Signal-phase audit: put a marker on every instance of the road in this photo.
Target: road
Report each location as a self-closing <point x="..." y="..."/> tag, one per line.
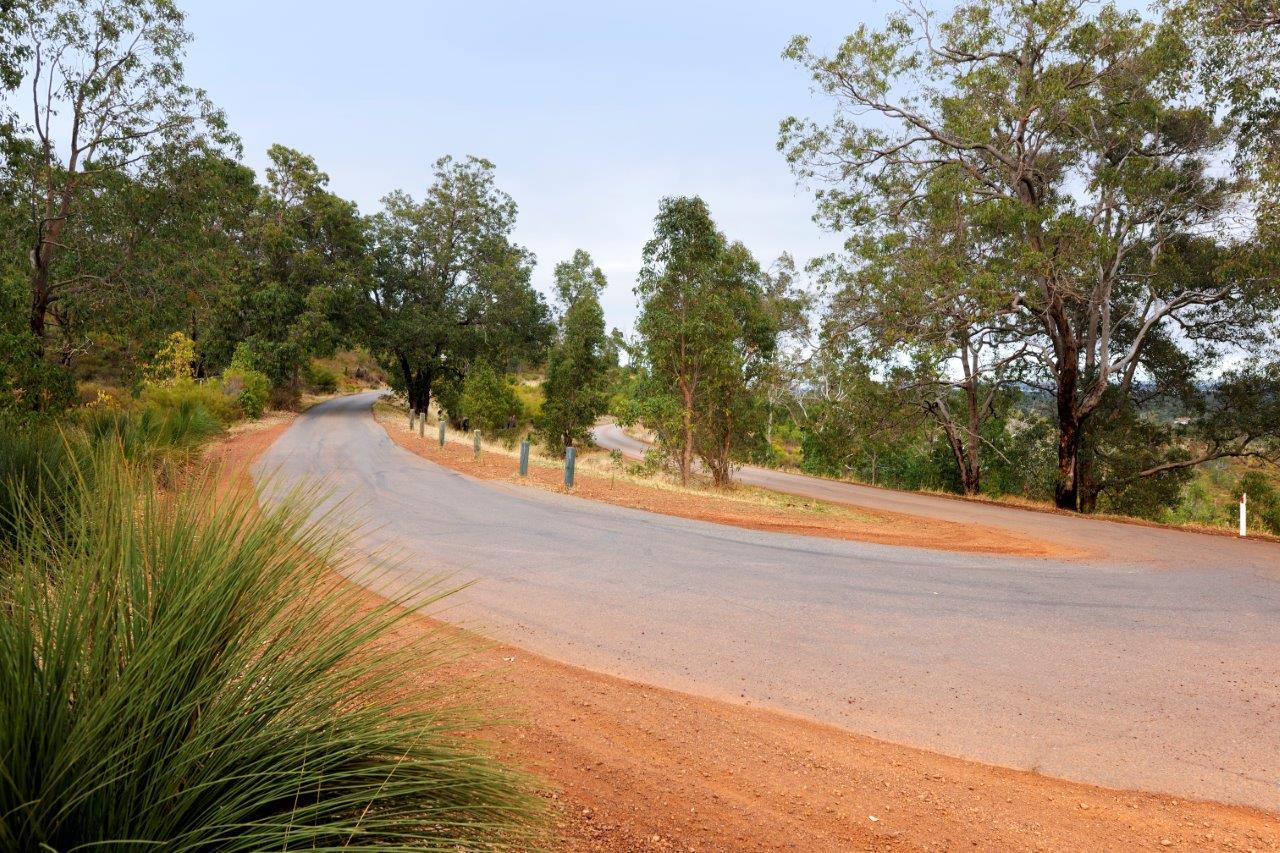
<point x="1116" y="672"/>
<point x="1118" y="542"/>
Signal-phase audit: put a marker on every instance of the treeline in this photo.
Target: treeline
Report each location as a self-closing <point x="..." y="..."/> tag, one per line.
<point x="1056" y="277"/>
<point x="131" y="227"/>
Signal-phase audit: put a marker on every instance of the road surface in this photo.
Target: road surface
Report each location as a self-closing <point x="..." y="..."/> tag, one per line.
<point x="1116" y="672"/>
<point x="1118" y="542"/>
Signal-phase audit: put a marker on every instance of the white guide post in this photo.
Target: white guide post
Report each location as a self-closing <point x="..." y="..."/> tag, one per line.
<point x="1244" y="503"/>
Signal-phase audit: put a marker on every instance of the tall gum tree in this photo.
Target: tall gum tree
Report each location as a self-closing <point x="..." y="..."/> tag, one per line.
<point x="578" y="365"/>
<point x="104" y="89"/>
<point x="930" y="296"/>
<point x="707" y="330"/>
<point x="1069" y="120"/>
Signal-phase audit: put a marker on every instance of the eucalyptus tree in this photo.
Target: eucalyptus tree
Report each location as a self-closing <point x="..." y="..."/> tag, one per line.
<point x="707" y="330"/>
<point x="1237" y="54"/>
<point x="449" y="287"/>
<point x="930" y="295"/>
<point x="1069" y="123"/>
<point x="576" y="388"/>
<point x="105" y="92"/>
<point x="172" y="237"/>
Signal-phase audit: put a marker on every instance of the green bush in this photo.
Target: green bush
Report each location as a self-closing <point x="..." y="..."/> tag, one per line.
<point x="321" y="379"/>
<point x="29" y="382"/>
<point x="209" y="395"/>
<point x="1264" y="501"/>
<point x="183" y="673"/>
<point x="250" y="388"/>
<point x="489" y="399"/>
<point x="37" y="466"/>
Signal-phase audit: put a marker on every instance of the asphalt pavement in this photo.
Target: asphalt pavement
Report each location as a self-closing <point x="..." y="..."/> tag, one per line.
<point x="1155" y="665"/>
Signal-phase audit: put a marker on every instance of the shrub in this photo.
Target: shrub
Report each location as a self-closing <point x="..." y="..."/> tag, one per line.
<point x="1264" y="500"/>
<point x="30" y="383"/>
<point x="210" y="395"/>
<point x="185" y="673"/>
<point x="98" y="395"/>
<point x="37" y="467"/>
<point x="489" y="399"/>
<point x="173" y="362"/>
<point x="250" y="389"/>
<point x="152" y="432"/>
<point x="321" y="379"/>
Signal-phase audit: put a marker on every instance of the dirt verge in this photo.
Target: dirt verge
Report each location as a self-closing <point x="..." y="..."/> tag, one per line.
<point x="633" y="767"/>
<point x="771" y="511"/>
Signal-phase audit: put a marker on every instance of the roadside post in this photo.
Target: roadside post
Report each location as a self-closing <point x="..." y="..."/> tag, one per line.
<point x="411" y="418"/>
<point x="442" y="422"/>
<point x="422" y="425"/>
<point x="570" y="454"/>
<point x="476" y="443"/>
<point x="524" y="458"/>
<point x="1244" y="511"/>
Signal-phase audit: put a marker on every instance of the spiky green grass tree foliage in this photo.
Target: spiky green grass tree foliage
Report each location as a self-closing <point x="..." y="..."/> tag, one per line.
<point x="185" y="673"/>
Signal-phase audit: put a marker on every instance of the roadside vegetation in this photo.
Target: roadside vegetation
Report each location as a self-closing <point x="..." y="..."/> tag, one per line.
<point x="1066" y="296"/>
<point x="183" y="669"/>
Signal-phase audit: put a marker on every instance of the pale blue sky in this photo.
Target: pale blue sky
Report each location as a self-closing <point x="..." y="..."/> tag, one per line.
<point x="591" y="111"/>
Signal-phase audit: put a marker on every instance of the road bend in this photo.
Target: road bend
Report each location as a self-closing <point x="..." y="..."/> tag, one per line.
<point x="1154" y="666"/>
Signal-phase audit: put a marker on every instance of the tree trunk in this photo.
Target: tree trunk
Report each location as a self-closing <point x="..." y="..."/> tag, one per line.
<point x="407" y="373"/>
<point x="39" y="303"/>
<point x="422" y="389"/>
<point x="1066" y="493"/>
<point x="726" y="449"/>
<point x="686" y="452"/>
<point x="1087" y="490"/>
<point x="972" y="478"/>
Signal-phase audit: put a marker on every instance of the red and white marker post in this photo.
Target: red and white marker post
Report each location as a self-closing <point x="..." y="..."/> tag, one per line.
<point x="1244" y="502"/>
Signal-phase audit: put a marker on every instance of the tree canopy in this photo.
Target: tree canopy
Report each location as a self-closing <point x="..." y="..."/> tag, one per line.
<point x="1066" y="123"/>
<point x="449" y="288"/>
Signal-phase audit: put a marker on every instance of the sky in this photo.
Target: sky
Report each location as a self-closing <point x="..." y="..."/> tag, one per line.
<point x="591" y="112"/>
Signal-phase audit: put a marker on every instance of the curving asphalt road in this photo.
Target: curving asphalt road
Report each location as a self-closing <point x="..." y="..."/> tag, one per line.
<point x="1115" y="672"/>
<point x="1117" y="542"/>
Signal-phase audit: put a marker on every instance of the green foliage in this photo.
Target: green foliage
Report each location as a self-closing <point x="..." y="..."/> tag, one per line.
<point x="449" y="287"/>
<point x="306" y="255"/>
<point x="708" y="333"/>
<point x="321" y="379"/>
<point x="209" y="395"/>
<point x="1263" y="500"/>
<point x="37" y="468"/>
<point x="165" y="425"/>
<point x="173" y="363"/>
<point x="1083" y="221"/>
<point x="489" y="399"/>
<point x="250" y="387"/>
<point x="531" y="397"/>
<point x="576" y="390"/>
<point x="181" y="672"/>
<point x="29" y="383"/>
